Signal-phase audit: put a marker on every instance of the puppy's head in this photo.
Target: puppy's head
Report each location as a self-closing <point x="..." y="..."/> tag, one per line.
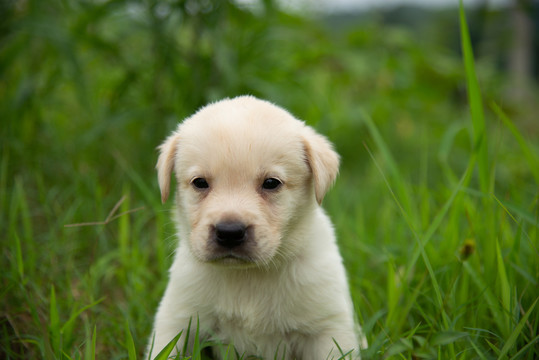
<point x="248" y="176"/>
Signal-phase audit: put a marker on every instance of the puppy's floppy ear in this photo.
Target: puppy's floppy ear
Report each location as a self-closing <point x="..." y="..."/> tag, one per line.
<point x="323" y="161"/>
<point x="165" y="164"/>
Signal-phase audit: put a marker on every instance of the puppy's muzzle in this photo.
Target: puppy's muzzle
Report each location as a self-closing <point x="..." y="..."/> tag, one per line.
<point x="230" y="235"/>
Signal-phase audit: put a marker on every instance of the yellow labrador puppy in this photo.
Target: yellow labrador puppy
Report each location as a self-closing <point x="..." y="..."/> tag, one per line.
<point x="257" y="263"/>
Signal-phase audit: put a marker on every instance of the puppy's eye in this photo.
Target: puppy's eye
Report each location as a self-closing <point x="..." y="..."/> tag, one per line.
<point x="271" y="184"/>
<point x="200" y="183"/>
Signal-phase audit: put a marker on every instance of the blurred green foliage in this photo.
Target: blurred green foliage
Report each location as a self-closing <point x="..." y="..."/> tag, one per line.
<point x="81" y="74"/>
<point x="89" y="89"/>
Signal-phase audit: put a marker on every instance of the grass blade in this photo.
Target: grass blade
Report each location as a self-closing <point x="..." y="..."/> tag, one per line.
<point x="167" y="350"/>
<point x="404" y="195"/>
<point x="421" y="247"/>
<point x="393" y="293"/>
<point x="94" y="339"/>
<point x="437" y="221"/>
<point x="129" y="343"/>
<point x="447" y="337"/>
<point x="67" y="328"/>
<point x="187" y="335"/>
<point x="479" y="352"/>
<point x="124" y="226"/>
<point x="530" y="156"/>
<point x="526" y="348"/>
<point x="490" y="299"/>
<point x="196" y="343"/>
<point x="25" y="216"/>
<point x="504" y="286"/>
<point x="475" y="102"/>
<point x="54" y="323"/>
<point x="19" y="259"/>
<point x="516" y="332"/>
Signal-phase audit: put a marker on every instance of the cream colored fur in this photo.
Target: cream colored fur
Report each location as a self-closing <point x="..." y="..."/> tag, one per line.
<point x="284" y="291"/>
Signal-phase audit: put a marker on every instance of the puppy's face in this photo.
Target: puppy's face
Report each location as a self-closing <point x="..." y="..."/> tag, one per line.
<point x="248" y="173"/>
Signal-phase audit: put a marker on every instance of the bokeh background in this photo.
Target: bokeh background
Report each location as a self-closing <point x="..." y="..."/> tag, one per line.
<point x="89" y="89"/>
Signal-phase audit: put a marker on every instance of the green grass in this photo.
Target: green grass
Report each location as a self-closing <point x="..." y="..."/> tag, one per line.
<point x="436" y="206"/>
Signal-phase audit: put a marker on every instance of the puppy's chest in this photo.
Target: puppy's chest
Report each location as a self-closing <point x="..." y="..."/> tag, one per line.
<point x="256" y="309"/>
<point x="253" y="314"/>
<point x="256" y="328"/>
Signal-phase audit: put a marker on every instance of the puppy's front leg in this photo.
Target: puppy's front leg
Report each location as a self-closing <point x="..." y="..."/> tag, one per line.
<point x="322" y="347"/>
<point x="171" y="318"/>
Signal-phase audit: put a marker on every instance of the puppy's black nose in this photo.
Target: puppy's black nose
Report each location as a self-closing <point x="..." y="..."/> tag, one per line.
<point x="230" y="234"/>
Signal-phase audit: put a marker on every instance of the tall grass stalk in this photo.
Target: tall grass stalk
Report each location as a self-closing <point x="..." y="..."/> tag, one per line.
<point x="475" y="102"/>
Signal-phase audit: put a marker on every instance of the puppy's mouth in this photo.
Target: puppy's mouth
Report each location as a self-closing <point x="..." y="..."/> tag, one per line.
<point x="231" y="258"/>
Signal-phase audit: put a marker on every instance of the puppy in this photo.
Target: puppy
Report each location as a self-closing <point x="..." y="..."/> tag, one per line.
<point x="257" y="264"/>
